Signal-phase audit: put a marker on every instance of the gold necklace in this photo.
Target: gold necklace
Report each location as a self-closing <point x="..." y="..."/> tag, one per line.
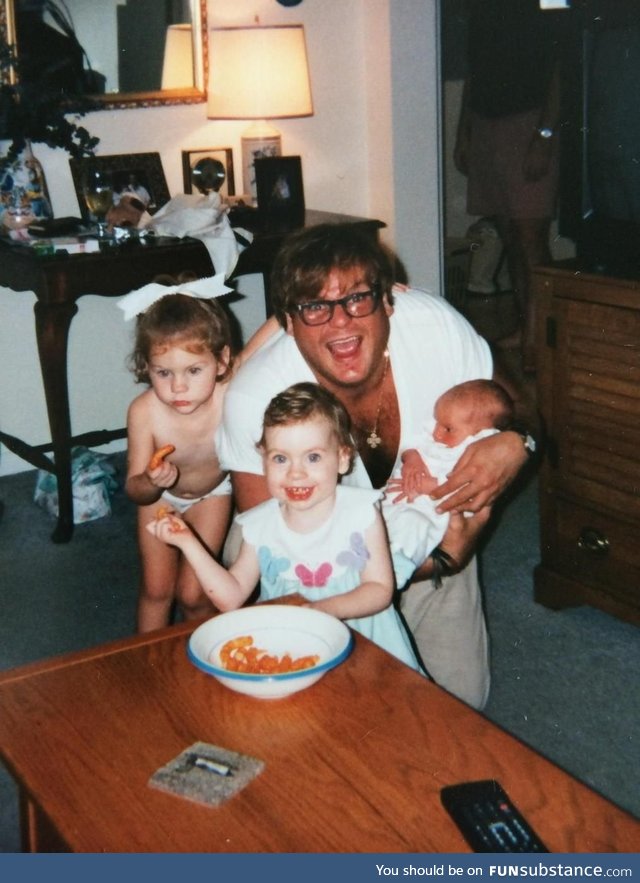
<point x="373" y="439"/>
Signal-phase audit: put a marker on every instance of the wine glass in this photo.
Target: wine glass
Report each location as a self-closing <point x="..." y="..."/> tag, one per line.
<point x="98" y="195"/>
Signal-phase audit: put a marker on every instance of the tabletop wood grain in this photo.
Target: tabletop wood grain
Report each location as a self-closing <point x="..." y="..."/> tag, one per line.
<point x="353" y="764"/>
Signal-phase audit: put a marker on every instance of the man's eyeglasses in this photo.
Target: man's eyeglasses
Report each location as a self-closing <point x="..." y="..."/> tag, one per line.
<point x="357" y="305"/>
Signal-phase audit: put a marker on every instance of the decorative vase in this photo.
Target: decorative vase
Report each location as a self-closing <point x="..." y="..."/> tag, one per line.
<point x="24" y="197"/>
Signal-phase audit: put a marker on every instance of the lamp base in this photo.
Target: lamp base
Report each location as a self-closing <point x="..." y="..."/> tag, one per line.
<point x="257" y="141"/>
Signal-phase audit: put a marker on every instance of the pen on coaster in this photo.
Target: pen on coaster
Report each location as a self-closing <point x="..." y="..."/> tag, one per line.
<point x="211" y="766"/>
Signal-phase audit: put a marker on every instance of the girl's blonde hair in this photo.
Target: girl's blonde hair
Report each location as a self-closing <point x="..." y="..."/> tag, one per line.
<point x="304" y="401"/>
<point x="179" y="319"/>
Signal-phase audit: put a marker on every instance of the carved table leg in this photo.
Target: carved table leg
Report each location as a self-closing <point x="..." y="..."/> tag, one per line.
<point x="52" y="333"/>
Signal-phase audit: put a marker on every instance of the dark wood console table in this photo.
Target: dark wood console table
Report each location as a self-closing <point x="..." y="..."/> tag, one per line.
<point x="59" y="280"/>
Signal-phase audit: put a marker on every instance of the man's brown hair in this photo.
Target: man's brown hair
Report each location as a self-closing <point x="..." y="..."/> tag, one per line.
<point x="308" y="256"/>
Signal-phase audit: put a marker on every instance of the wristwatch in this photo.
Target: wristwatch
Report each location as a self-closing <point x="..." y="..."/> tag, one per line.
<point x="529" y="443"/>
<point x="545" y="132"/>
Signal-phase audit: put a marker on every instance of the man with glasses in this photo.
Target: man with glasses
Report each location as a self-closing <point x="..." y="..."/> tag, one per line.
<point x="387" y="358"/>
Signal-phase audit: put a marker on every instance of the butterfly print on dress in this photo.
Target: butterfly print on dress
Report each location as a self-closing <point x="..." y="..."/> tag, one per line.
<point x="314" y="579"/>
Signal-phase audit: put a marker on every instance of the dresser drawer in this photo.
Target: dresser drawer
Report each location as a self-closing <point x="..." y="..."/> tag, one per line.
<point x="592" y="547"/>
<point x="588" y="393"/>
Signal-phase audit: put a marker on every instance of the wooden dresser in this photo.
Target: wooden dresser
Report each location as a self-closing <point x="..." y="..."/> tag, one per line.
<point x="589" y="396"/>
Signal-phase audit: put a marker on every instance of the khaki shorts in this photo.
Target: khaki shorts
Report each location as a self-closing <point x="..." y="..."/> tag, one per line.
<point x="450" y="633"/>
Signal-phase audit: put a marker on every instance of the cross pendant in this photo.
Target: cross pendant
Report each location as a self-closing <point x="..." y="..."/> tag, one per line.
<point x="373" y="439"/>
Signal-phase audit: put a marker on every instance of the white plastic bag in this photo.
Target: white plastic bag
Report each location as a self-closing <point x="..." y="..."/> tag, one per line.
<point x="93" y="483"/>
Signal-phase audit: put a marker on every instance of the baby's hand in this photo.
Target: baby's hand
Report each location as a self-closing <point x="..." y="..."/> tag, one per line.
<point x="164" y="476"/>
<point x="396" y="486"/>
<point x="416" y="478"/>
<point x="412" y="475"/>
<point x="169" y="527"/>
<point x="413" y="469"/>
<point x="159" y="456"/>
<point x="423" y="484"/>
<point x="160" y="471"/>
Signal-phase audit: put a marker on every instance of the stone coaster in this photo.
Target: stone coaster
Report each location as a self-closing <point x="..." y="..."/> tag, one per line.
<point x="206" y="774"/>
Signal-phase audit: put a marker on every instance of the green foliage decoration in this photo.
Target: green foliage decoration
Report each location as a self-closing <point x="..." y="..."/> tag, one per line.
<point x="35" y="112"/>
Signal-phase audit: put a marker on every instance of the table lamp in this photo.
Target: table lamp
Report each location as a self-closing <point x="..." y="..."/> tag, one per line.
<point x="177" y="68"/>
<point x="259" y="73"/>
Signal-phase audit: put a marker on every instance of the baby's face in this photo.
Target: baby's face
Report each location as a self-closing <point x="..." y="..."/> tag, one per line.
<point x="454" y="422"/>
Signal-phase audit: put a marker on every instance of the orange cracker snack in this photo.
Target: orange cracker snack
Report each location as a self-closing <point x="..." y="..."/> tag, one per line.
<point x="239" y="654"/>
<point x="175" y="526"/>
<point x="159" y="456"/>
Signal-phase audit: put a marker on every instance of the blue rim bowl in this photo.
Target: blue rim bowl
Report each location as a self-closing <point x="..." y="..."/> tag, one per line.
<point x="278" y="629"/>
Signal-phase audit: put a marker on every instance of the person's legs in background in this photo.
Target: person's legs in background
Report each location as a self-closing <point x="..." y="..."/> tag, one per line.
<point x="521" y="208"/>
<point x="526" y="242"/>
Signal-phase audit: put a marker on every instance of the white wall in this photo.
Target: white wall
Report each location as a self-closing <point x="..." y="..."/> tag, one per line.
<point x="96" y="25"/>
<point x="415" y="88"/>
<point x="370" y="149"/>
<point x="379" y="134"/>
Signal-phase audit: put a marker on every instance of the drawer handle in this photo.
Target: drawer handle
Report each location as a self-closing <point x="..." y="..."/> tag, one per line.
<point x="592" y="540"/>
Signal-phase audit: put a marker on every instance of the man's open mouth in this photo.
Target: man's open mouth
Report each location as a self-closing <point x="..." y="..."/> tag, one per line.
<point x="345" y="348"/>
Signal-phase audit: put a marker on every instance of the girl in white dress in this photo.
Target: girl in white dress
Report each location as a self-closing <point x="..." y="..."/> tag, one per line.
<point x="315" y="537"/>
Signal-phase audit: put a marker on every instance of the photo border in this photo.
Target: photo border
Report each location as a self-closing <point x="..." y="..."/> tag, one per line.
<point x="149" y="164"/>
<point x="224" y="154"/>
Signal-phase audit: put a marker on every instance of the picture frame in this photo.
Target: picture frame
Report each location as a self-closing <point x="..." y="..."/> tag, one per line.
<point x="141" y="174"/>
<point x="224" y="155"/>
<point x="280" y="191"/>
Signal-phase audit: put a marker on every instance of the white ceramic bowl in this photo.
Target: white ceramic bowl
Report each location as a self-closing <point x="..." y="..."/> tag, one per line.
<point x="278" y="629"/>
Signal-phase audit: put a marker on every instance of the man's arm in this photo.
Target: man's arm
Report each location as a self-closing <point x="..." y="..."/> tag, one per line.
<point x="458" y="543"/>
<point x="527" y="416"/>
<point x="537" y="159"/>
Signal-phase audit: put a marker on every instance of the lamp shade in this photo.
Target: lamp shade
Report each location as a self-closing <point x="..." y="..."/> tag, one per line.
<point x="177" y="68"/>
<point x="259" y="73"/>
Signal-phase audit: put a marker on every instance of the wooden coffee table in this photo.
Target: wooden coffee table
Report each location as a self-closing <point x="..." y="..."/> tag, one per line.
<point x="353" y="764"/>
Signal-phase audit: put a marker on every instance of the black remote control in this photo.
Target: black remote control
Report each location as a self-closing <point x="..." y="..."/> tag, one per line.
<point x="488" y="819"/>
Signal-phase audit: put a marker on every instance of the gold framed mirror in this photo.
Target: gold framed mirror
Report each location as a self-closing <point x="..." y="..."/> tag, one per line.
<point x="130" y="53"/>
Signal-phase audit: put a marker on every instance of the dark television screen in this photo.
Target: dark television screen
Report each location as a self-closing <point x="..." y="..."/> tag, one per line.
<point x="600" y="172"/>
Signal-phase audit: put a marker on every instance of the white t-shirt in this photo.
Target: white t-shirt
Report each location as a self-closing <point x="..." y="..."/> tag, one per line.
<point x="431" y="348"/>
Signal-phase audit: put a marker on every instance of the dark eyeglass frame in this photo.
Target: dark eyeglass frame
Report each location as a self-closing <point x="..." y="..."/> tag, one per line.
<point x="330" y="305"/>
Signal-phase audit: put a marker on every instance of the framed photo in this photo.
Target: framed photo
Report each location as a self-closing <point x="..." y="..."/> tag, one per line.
<point x="280" y="191"/>
<point x="140" y="174"/>
<point x="203" y="170"/>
